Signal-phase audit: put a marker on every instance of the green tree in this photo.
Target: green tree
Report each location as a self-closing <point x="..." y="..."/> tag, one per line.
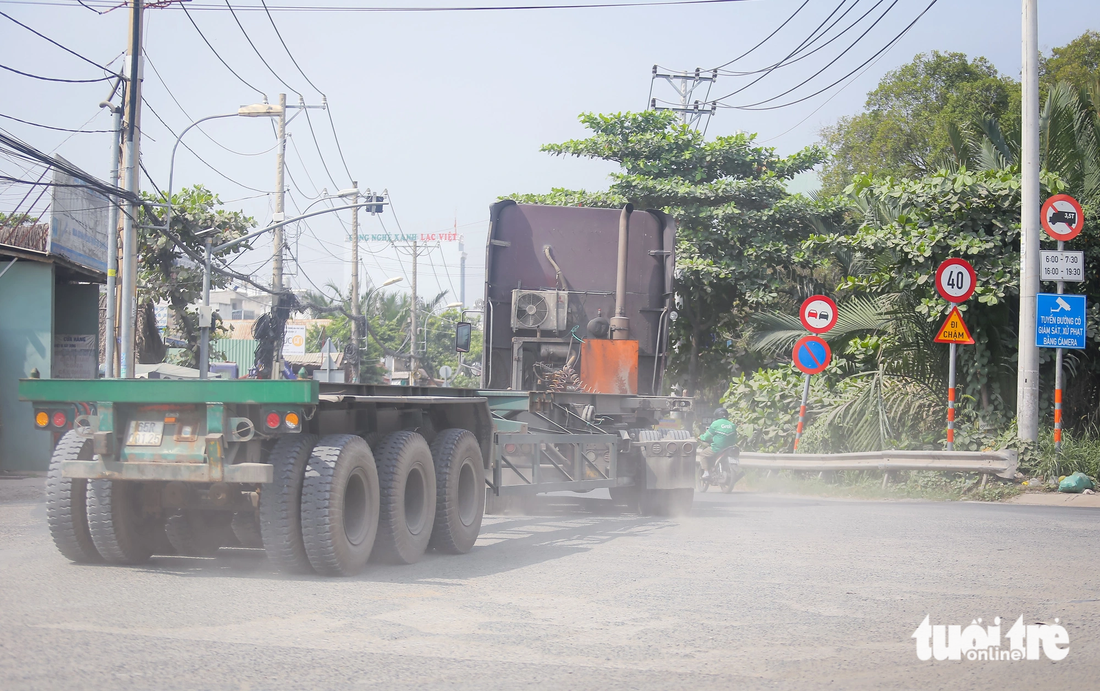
<point x="1069" y="141"/>
<point x="888" y="386"/>
<point x="387" y="324"/>
<point x="738" y="243"/>
<point x="170" y="273"/>
<point x="1077" y="62"/>
<point x="904" y="130"/>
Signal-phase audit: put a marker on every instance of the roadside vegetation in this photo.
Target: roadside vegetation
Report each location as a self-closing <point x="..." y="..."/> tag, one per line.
<point x="929" y="170"/>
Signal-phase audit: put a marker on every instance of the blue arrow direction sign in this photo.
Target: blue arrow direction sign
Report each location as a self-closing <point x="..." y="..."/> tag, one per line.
<point x="1060" y="321"/>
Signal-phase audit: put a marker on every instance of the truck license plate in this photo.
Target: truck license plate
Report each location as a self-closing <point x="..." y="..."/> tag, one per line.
<point x="145" y="433"/>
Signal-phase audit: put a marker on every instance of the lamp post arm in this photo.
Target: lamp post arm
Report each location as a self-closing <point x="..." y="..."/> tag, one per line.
<point x="280" y="224"/>
<point x="172" y="160"/>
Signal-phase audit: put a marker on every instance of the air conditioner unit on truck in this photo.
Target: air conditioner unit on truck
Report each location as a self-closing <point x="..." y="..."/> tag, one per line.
<point x="324" y="475"/>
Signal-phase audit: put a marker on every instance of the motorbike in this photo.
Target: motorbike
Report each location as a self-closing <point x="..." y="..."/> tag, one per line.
<point x="725" y="473"/>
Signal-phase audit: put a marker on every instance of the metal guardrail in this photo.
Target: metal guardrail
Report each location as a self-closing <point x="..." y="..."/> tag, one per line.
<point x="1001" y="463"/>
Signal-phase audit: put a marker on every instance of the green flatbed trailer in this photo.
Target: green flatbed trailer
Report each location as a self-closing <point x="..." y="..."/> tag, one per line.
<point x="323" y="476"/>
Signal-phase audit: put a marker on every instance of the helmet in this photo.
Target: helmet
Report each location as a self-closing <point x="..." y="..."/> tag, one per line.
<point x="721" y="412"/>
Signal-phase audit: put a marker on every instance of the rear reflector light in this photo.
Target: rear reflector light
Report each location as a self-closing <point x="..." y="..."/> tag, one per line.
<point x="273" y="420"/>
<point x="42" y="419"/>
<point x="292" y="420"/>
<point x="60" y="419"/>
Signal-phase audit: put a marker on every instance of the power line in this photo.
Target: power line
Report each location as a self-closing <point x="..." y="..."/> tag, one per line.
<point x="802" y="45"/>
<point x="257" y="50"/>
<point x="188" y="115"/>
<point x="56" y="129"/>
<point x="56" y="79"/>
<point x="305" y="170"/>
<point x="766" y="38"/>
<point x="324" y="164"/>
<point x="64" y="48"/>
<point x="301" y="100"/>
<point x="328" y="109"/>
<point x="803" y="56"/>
<point x="859" y="67"/>
<point x="489" y="8"/>
<point x="218" y="56"/>
<point x="29" y="152"/>
<point x="826" y="101"/>
<point x="195" y="153"/>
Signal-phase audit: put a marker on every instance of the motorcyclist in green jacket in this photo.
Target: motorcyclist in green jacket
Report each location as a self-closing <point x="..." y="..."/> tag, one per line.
<point x="721" y="435"/>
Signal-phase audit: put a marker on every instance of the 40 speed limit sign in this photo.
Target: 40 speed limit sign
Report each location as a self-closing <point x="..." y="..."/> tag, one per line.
<point x="956" y="280"/>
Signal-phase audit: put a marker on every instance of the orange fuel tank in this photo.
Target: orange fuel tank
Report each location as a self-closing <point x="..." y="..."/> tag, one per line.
<point x="609" y="366"/>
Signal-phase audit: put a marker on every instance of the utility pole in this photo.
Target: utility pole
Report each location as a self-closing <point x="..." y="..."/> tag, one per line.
<point x="277" y="249"/>
<point x="1027" y="378"/>
<point x="355" y="282"/>
<point x="685" y="84"/>
<point x="112" y="244"/>
<point x="129" y="233"/>
<point x="413" y="370"/>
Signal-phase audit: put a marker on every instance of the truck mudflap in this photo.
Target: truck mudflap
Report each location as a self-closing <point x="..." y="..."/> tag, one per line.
<point x="669" y="464"/>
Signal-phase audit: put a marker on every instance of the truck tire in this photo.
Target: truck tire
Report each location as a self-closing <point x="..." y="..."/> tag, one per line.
<point x="67" y="502"/>
<point x="197" y="533"/>
<point x="281" y="504"/>
<point x="116" y="523"/>
<point x="246" y="528"/>
<point x="340" y="500"/>
<point x="407" y="478"/>
<point x="460" y="491"/>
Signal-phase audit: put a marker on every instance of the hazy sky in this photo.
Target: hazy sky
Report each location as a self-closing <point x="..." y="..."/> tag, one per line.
<point x="447" y="110"/>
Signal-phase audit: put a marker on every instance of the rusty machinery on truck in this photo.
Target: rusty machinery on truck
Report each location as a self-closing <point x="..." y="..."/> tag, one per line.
<point x="578" y="303"/>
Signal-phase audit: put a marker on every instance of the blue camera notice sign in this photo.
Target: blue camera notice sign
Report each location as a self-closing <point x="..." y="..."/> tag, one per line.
<point x="1060" y="321"/>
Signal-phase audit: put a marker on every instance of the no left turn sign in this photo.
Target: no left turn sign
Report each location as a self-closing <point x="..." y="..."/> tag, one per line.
<point x="1062" y="217"/>
<point x="818" y="314"/>
<point x="955" y="280"/>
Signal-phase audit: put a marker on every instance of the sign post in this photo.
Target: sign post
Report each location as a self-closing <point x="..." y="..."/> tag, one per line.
<point x="812" y="353"/>
<point x="1062" y="218"/>
<point x="955" y="281"/>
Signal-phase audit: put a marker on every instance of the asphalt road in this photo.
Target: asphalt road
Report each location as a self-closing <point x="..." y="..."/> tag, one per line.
<point x="749" y="591"/>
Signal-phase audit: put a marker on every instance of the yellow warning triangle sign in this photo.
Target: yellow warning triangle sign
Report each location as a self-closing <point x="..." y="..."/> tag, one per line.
<point x="954" y="330"/>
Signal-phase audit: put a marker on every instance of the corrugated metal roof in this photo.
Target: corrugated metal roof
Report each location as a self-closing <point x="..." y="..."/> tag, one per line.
<point x="243" y="352"/>
<point x="239" y="350"/>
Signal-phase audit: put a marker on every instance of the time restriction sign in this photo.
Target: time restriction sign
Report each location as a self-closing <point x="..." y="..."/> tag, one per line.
<point x="955" y="280"/>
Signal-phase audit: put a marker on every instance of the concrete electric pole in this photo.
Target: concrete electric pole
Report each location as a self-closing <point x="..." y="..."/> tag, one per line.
<point x="413" y="371"/>
<point x="685" y="84"/>
<point x="1027" y="382"/>
<point x="355" y="281"/>
<point x="129" y="231"/>
<point x="110" y="371"/>
<point x="277" y="241"/>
